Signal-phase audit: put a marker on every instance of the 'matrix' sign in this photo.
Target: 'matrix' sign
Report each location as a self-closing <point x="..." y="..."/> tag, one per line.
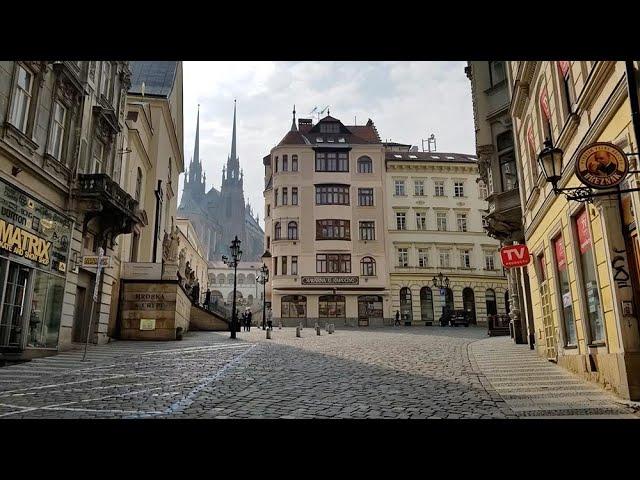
<point x="330" y="280"/>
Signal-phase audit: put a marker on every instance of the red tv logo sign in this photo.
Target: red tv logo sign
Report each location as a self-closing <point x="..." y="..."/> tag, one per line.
<point x="515" y="256"/>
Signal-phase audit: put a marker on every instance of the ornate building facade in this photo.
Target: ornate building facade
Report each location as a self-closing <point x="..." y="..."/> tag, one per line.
<point x="218" y="216"/>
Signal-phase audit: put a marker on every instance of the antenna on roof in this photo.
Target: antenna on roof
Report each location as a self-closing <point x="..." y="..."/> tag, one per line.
<point x="430" y="140"/>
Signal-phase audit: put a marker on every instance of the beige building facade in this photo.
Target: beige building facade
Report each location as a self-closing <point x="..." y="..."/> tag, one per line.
<point x="325" y="224"/>
<point x="434" y="215"/>
<point x="248" y="290"/>
<point x="193" y="251"/>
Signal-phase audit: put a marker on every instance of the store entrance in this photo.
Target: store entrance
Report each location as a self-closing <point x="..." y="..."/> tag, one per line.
<point x="15" y="287"/>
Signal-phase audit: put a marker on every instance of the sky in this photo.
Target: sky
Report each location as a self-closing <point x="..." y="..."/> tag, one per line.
<point x="407" y="101"/>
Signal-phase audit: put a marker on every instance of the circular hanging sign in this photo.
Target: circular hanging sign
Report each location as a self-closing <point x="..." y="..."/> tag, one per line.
<point x="601" y="165"/>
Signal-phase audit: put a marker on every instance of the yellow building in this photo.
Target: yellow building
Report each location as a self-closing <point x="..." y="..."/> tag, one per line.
<point x="584" y="310"/>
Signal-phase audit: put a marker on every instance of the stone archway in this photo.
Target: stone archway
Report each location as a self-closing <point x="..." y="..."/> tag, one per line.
<point x="469" y="303"/>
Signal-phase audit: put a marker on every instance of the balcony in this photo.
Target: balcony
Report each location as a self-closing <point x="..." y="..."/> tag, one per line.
<point x="99" y="197"/>
<point x="505" y="215"/>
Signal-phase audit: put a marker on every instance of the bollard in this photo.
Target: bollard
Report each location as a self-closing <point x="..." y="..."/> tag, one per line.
<point x="331" y="328"/>
<point x="268" y="334"/>
<point x="279" y="325"/>
<point x="318" y="330"/>
<point x="315" y="325"/>
<point x="300" y="326"/>
<point x="298" y="332"/>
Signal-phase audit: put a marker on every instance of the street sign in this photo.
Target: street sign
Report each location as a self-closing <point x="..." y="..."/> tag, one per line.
<point x="91" y="261"/>
<point x="98" y="273"/>
<point x="515" y="256"/>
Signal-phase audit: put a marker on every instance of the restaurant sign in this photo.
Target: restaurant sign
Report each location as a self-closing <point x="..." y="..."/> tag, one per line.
<point x="330" y="280"/>
<point x="31" y="230"/>
<point x="601" y="165"/>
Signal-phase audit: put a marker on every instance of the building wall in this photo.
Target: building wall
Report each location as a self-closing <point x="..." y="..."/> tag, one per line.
<point x="433" y="241"/>
<point x="194" y="253"/>
<point x="598" y="110"/>
<point x="221" y="282"/>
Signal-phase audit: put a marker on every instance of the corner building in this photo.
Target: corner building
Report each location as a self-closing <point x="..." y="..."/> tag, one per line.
<point x="324" y="225"/>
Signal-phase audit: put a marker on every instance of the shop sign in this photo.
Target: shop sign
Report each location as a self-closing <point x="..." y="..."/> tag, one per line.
<point x="147" y="324"/>
<point x="31" y="230"/>
<point x="515" y="256"/>
<point x="584" y="236"/>
<point x="601" y="165"/>
<point x="91" y="261"/>
<point x="330" y="280"/>
<point x="561" y="258"/>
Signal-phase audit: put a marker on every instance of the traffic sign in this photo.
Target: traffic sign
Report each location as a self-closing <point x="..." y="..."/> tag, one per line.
<point x="515" y="256"/>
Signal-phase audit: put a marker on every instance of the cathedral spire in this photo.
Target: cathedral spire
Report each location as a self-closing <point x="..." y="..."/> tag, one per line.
<point x="196" y="148"/>
<point x="293" y="123"/>
<point x="233" y="138"/>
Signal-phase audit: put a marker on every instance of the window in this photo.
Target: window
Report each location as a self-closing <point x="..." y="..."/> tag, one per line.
<point x="406" y="305"/>
<point x="285" y="197"/>
<point x="284" y="265"/>
<point x="268" y="242"/>
<point x="490" y="302"/>
<point x="332" y="195"/>
<point x="294" y="265"/>
<point x="333" y="263"/>
<point x="482" y="190"/>
<point x="401" y="221"/>
<point x="268" y="210"/>
<point x="423" y="258"/>
<point x="98" y="157"/>
<point x="441" y="221"/>
<point x="278" y="231"/>
<point x="106" y="80"/>
<point x="331" y="306"/>
<point x="294" y="195"/>
<point x="458" y="189"/>
<point x="489" y="261"/>
<point x="367" y="231"/>
<point x="332" y="162"/>
<point x="275" y="197"/>
<point x="564" y="68"/>
<point x="589" y="277"/>
<point x="294" y="163"/>
<point x="462" y="222"/>
<point x="367" y="267"/>
<point x="496" y="73"/>
<point x="275" y="266"/>
<point x="56" y="137"/>
<point x="365" y="165"/>
<point x="293" y="306"/>
<point x="570" y="337"/>
<point x="418" y="188"/>
<point x="276" y="164"/>
<point x="365" y="197"/>
<point x="285" y="163"/>
<point x="403" y="257"/>
<point x="507" y="161"/>
<point x="444" y="259"/>
<point x="292" y="231"/>
<point x="333" y="229"/>
<point x="329" y="128"/>
<point x="22" y="99"/>
<point x="439" y="188"/>
<point x="465" y="258"/>
<point x="138" y="193"/>
<point x="421" y="220"/>
<point x="399" y="185"/>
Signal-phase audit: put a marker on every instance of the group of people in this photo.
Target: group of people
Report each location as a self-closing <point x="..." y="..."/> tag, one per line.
<point x="246" y="320"/>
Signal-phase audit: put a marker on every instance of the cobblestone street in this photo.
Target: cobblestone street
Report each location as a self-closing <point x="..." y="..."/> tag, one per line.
<point x="429" y="372"/>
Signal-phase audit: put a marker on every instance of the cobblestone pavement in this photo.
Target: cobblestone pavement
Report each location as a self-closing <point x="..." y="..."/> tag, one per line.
<point x="354" y="373"/>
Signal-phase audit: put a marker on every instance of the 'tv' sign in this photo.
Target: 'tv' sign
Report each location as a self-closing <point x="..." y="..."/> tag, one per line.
<point x="515" y="256"/>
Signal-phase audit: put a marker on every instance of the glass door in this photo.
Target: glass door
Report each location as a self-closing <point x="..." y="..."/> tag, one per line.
<point x="16" y="280"/>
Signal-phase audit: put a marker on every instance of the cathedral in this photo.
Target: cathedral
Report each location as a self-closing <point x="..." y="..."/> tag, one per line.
<point x="218" y="216"/>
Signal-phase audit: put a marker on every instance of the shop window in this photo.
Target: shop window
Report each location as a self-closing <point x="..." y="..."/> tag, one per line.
<point x="406" y="307"/>
<point x="293" y="306"/>
<point x="332" y="306"/>
<point x="565" y="292"/>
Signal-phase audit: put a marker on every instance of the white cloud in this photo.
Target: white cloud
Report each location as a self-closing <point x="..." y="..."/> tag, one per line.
<point x="407" y="101"/>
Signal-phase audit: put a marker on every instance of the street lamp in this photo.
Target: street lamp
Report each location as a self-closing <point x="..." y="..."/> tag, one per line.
<point x="236" y="255"/>
<point x="550" y="160"/>
<point x="262" y="280"/>
<point x="441" y="282"/>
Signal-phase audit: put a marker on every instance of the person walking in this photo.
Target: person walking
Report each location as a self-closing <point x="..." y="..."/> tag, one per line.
<point x="269" y="319"/>
<point x="249" y="315"/>
<point x="397" y="318"/>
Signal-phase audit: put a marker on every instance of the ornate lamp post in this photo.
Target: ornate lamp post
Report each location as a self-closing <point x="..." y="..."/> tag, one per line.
<point x="262" y="280"/>
<point x="236" y="255"/>
<point x="441" y="282"/>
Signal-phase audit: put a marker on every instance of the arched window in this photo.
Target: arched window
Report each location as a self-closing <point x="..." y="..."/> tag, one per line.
<point x="292" y="231"/>
<point x="251" y="278"/>
<point x="221" y="278"/>
<point x="293" y="306"/>
<point x="250" y="300"/>
<point x="332" y="306"/>
<point x="469" y="303"/>
<point x="490" y="298"/>
<point x="277" y="231"/>
<point x="138" y="185"/>
<point x="365" y="165"/>
<point x="406" y="310"/>
<point x="367" y="266"/>
<point x="230" y="278"/>
<point x="448" y="300"/>
<point x="294" y="163"/>
<point x="240" y="278"/>
<point x="426" y="304"/>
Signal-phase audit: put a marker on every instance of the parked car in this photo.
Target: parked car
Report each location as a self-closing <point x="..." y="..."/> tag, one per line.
<point x="455" y="318"/>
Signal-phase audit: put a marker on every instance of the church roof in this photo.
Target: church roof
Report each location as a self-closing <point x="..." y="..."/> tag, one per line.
<point x="158" y="78"/>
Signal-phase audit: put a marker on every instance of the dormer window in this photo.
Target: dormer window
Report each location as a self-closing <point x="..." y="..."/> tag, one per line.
<point x="341" y="140"/>
<point x="330" y="139"/>
<point x="319" y="140"/>
<point x="329" y="128"/>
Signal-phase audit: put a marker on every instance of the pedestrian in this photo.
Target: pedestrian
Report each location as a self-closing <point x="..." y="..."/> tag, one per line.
<point x="249" y="315"/>
<point x="269" y="319"/>
<point x="397" y="318"/>
<point x="244" y="320"/>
